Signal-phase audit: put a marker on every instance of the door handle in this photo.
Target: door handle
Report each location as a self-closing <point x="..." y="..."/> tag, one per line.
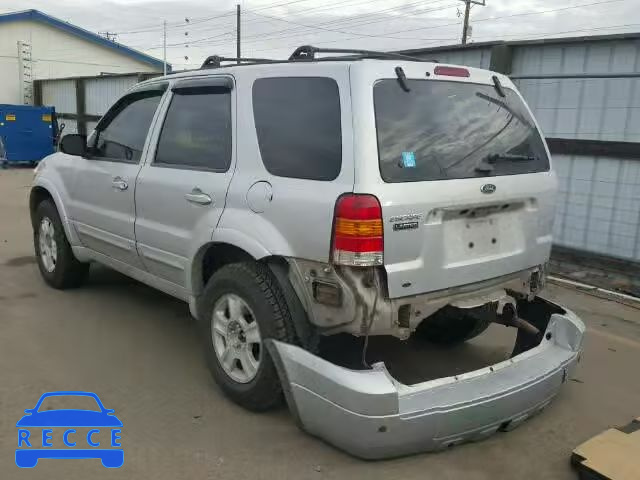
<point x="119" y="184"/>
<point x="198" y="196"/>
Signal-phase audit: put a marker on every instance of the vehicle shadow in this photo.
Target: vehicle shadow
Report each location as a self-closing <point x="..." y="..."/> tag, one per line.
<point x="410" y="362"/>
<point x="415" y="360"/>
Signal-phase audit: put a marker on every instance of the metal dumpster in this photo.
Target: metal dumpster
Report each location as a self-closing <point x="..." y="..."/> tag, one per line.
<point x="28" y="133"/>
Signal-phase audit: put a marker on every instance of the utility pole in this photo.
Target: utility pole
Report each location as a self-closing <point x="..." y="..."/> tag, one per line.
<point x="164" y="47"/>
<point x="467" y="13"/>
<point x="238" y="32"/>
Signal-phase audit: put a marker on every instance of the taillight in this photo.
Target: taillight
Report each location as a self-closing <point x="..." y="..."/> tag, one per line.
<point x="357" y="231"/>
<point x="451" y="71"/>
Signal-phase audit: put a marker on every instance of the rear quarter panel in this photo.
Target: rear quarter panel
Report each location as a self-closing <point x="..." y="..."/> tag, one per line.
<point x="298" y="220"/>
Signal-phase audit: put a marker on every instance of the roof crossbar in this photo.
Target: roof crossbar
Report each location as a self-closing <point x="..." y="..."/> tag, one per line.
<point x="215" y="61"/>
<point x="308" y="53"/>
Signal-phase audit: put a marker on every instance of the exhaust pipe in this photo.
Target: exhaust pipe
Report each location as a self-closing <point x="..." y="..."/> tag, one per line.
<point x="507" y="314"/>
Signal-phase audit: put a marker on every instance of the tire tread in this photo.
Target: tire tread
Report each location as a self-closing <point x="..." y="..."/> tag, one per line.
<point x="69" y="271"/>
<point x="269" y="393"/>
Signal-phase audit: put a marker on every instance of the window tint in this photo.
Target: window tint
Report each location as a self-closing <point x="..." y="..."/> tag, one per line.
<point x="298" y="126"/>
<point x="122" y="133"/>
<point x="441" y="130"/>
<point x="197" y="130"/>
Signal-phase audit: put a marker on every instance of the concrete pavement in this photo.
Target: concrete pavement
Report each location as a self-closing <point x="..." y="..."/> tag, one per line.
<point x="138" y="350"/>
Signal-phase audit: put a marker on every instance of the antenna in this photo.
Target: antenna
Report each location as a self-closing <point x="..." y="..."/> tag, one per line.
<point x="109" y="36"/>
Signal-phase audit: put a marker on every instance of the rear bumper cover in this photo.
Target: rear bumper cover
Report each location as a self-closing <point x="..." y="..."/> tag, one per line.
<point x="371" y="415"/>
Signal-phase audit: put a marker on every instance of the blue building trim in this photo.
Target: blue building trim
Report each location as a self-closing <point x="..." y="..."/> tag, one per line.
<point x="38" y="16"/>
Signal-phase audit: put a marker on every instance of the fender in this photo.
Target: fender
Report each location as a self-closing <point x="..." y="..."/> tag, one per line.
<point x="241" y="240"/>
<point x="50" y="187"/>
<point x="253" y="233"/>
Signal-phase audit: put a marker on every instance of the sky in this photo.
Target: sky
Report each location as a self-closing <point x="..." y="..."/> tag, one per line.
<point x="274" y="28"/>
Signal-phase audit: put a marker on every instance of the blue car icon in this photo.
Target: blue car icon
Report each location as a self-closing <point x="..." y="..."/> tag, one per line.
<point x="32" y="447"/>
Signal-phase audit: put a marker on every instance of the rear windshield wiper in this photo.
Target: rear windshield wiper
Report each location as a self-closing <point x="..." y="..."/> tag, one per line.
<point x="510" y="157"/>
<point x="486" y="165"/>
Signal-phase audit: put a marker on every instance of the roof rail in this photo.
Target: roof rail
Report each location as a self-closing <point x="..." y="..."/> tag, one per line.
<point x="215" y="61"/>
<point x="308" y="53"/>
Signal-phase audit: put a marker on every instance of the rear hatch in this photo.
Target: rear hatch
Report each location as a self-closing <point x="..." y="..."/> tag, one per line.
<point x="460" y="168"/>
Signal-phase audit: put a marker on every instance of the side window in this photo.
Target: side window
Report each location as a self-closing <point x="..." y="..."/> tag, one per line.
<point x="298" y="126"/>
<point x="121" y="134"/>
<point x="197" y="130"/>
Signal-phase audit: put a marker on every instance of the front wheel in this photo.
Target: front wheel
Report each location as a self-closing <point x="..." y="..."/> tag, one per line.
<point x="57" y="264"/>
<point x="243" y="305"/>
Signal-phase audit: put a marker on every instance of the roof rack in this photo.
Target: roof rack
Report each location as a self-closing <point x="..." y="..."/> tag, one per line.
<point x="308" y="53"/>
<point x="215" y="61"/>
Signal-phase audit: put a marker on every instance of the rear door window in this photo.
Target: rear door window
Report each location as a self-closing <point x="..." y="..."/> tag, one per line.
<point x="298" y="126"/>
<point x="444" y="130"/>
<point x="197" y="130"/>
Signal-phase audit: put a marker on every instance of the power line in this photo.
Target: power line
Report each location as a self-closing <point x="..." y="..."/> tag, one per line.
<point x="375" y="13"/>
<point x="506" y="16"/>
<point x="543" y="36"/>
<point x="196" y="20"/>
<point x="586" y="29"/>
<point x="350" y="19"/>
<point x="270" y="35"/>
<point x="528" y="13"/>
<point x="333" y="29"/>
<point x="262" y="37"/>
<point x="187" y="22"/>
<point x="457" y="23"/>
<point x="53" y="60"/>
<point x="354" y="22"/>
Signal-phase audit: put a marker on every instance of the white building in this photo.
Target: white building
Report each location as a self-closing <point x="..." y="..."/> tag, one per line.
<point x="36" y="46"/>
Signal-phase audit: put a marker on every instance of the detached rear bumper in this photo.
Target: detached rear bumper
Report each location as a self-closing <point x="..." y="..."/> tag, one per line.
<point x="371" y="415"/>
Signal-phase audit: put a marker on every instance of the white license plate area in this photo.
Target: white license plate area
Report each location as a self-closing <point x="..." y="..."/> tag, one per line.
<point x="468" y="239"/>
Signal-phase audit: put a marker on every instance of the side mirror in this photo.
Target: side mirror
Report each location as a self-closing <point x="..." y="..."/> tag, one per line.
<point x="74" y="144"/>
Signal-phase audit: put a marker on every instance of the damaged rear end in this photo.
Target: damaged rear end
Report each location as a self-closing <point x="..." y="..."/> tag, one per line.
<point x="370" y="414"/>
<point x="447" y="230"/>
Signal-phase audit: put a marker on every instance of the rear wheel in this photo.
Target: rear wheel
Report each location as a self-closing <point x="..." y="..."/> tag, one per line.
<point x="57" y="264"/>
<point x="243" y="305"/>
<point x="452" y="326"/>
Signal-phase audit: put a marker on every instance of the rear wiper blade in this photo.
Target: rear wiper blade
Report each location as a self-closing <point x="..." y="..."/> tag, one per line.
<point x="510" y="157"/>
<point x="402" y="79"/>
<point x="486" y="166"/>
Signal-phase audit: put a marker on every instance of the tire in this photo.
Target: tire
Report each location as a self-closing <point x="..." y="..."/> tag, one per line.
<point x="452" y="326"/>
<point x="66" y="271"/>
<point x="254" y="284"/>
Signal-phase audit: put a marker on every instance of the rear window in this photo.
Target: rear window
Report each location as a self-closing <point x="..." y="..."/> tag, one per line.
<point x="443" y="130"/>
<point x="298" y="125"/>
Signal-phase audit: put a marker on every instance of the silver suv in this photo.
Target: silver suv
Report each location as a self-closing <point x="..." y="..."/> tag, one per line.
<point x="372" y="194"/>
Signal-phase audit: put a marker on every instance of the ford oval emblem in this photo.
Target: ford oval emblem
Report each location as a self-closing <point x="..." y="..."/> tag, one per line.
<point x="488" y="188"/>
